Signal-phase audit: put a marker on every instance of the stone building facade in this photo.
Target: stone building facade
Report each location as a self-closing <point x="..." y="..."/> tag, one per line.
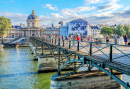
<point x="51" y="30"/>
<point x="32" y="28"/>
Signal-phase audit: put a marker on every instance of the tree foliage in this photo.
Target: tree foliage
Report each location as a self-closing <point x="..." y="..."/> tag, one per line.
<point x="120" y="30"/>
<point x="106" y="31"/>
<point x="76" y="33"/>
<point x="127" y="29"/>
<point x="5" y="26"/>
<point x="70" y="35"/>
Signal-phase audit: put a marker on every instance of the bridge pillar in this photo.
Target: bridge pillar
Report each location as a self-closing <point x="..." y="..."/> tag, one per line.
<point x="83" y="80"/>
<point x="46" y="64"/>
<point x="35" y="54"/>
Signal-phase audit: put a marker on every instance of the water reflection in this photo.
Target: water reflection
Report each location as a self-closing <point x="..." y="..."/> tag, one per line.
<point x="17" y="74"/>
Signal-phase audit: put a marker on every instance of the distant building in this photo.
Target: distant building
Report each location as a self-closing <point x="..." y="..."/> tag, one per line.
<point x="32" y="28"/>
<point x="78" y="26"/>
<point x="15" y="31"/>
<point x="81" y="26"/>
<point x="51" y="30"/>
<point x="95" y="31"/>
<point x="33" y="20"/>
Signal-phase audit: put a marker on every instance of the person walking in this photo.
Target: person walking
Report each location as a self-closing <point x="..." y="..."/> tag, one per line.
<point x="125" y="39"/>
<point x="107" y="38"/>
<point x="62" y="37"/>
<point x="73" y="39"/>
<point x="121" y="40"/>
<point x="91" y="40"/>
<point x="77" y="38"/>
<point x="88" y="39"/>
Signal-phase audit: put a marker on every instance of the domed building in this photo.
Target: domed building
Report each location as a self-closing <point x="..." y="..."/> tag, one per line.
<point x="32" y="28"/>
<point x="32" y="20"/>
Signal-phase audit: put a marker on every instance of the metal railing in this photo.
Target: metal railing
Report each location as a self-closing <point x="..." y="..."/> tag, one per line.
<point x="110" y="52"/>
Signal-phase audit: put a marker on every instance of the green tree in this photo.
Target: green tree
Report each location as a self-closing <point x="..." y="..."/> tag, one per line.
<point x="106" y="31"/>
<point x="81" y="34"/>
<point x="120" y="30"/>
<point x="70" y="35"/>
<point x="127" y="29"/>
<point x="76" y="33"/>
<point x="128" y="34"/>
<point x="5" y="26"/>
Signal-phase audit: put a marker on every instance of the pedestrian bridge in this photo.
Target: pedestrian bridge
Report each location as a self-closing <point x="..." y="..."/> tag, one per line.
<point x="106" y="57"/>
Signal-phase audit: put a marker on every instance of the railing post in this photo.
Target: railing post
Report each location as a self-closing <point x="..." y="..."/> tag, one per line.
<point x="90" y="48"/>
<point x="59" y="42"/>
<point x="52" y="41"/>
<point x="42" y="46"/>
<point x="69" y="44"/>
<point x="77" y="45"/>
<point x="110" y="57"/>
<point x="55" y="41"/>
<point x="63" y="43"/>
<point x="58" y="61"/>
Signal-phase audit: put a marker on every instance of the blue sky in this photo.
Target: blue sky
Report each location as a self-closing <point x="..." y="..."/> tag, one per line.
<point x="52" y="11"/>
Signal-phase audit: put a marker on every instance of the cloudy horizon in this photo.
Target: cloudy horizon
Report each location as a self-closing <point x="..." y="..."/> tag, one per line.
<point x="94" y="11"/>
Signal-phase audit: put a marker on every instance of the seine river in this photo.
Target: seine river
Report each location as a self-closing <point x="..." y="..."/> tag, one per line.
<point x="19" y="71"/>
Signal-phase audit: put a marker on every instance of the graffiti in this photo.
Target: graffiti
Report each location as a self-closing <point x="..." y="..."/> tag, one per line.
<point x="79" y="28"/>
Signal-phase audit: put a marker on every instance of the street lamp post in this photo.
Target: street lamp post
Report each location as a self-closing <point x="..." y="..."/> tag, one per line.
<point x="115" y="34"/>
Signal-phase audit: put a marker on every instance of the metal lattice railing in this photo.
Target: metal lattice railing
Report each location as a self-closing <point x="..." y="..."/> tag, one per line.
<point x="110" y="52"/>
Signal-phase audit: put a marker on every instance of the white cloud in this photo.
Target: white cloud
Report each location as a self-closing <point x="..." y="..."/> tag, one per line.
<point x="99" y="1"/>
<point x="107" y="13"/>
<point x="16" y="18"/>
<point x="79" y="9"/>
<point x="113" y="1"/>
<point x="56" y="15"/>
<point x="127" y="8"/>
<point x="109" y="6"/>
<point x="66" y="12"/>
<point x="93" y="1"/>
<point x="107" y="17"/>
<point x="50" y="7"/>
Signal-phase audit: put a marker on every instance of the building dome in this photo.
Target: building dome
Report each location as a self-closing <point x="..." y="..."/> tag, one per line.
<point x="33" y="20"/>
<point x="33" y="16"/>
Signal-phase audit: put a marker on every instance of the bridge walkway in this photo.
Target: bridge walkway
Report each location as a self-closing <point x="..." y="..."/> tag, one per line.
<point x="89" y="57"/>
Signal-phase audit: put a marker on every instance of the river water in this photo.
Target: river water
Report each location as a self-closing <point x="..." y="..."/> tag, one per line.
<point x="19" y="71"/>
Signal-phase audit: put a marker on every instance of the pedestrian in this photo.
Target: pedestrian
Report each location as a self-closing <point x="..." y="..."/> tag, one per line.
<point x="66" y="37"/>
<point x="62" y="37"/>
<point x="73" y="39"/>
<point x="77" y="38"/>
<point x="107" y="38"/>
<point x="91" y="40"/>
<point x="88" y="39"/>
<point x="81" y="37"/>
<point x="125" y="39"/>
<point x="50" y="36"/>
<point x="96" y="42"/>
<point x="121" y="40"/>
